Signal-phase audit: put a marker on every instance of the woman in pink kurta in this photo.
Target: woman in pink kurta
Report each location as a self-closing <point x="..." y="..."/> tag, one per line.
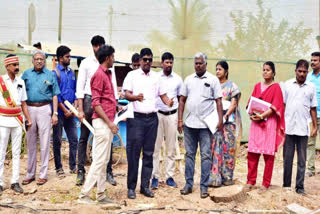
<point x="267" y="129"/>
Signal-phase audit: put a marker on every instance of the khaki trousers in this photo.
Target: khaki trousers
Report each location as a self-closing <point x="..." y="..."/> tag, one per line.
<point x="167" y="130"/>
<point x="101" y="150"/>
<point x="311" y="150"/>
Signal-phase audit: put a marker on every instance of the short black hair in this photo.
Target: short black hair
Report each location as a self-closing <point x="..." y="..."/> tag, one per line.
<point x="62" y="50"/>
<point x="145" y="51"/>
<point x="135" y="57"/>
<point x="317" y="53"/>
<point x="97" y="40"/>
<point x="167" y="55"/>
<point x="10" y="55"/>
<point x="103" y="52"/>
<point x="302" y="62"/>
<point x="224" y="65"/>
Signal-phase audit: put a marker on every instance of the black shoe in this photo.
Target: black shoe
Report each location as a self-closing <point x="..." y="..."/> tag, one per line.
<point x="147" y="192"/>
<point x="16" y="187"/>
<point x="131" y="194"/>
<point x="204" y="193"/>
<point x="80" y="178"/>
<point x="301" y="191"/>
<point x="186" y="190"/>
<point x="1" y="190"/>
<point x="111" y="180"/>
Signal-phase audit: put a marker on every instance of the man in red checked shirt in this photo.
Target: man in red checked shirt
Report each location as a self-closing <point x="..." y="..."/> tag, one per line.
<point x="104" y="106"/>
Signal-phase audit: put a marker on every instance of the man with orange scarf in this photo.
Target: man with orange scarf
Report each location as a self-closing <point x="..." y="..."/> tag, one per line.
<point x="13" y="98"/>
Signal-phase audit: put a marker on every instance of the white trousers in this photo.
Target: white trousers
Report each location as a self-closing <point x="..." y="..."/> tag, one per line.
<point x="101" y="150"/>
<point x="167" y="130"/>
<point x="16" y="135"/>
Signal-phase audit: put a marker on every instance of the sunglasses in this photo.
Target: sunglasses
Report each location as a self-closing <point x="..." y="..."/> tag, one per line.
<point x="147" y="59"/>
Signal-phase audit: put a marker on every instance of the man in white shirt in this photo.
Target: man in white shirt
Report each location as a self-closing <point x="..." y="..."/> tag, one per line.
<point x="168" y="121"/>
<point x="301" y="105"/>
<point x="13" y="98"/>
<point x="141" y="87"/>
<point x="87" y="68"/>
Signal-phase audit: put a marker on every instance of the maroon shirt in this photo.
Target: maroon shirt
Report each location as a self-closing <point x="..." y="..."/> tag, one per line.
<point x="103" y="93"/>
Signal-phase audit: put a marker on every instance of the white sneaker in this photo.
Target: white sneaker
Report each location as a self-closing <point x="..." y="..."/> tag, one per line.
<point x="85" y="200"/>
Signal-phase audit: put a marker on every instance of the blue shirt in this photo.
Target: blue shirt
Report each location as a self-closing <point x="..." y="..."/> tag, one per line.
<point x="67" y="85"/>
<point x="316" y="81"/>
<point x="41" y="86"/>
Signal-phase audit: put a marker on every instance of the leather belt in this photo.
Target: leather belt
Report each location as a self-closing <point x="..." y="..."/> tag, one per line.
<point x="168" y="112"/>
<point x="38" y="104"/>
<point x="138" y="114"/>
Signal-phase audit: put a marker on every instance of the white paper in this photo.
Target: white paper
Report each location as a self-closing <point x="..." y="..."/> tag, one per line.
<point x="212" y="121"/>
<point x="127" y="112"/>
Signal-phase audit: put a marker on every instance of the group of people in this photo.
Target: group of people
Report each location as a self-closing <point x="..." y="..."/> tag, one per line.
<point x="159" y="101"/>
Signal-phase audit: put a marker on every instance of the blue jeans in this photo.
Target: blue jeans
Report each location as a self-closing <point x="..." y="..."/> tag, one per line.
<point x="191" y="138"/>
<point x="70" y="126"/>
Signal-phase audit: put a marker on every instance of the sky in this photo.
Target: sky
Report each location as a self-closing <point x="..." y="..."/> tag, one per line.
<point x="132" y="20"/>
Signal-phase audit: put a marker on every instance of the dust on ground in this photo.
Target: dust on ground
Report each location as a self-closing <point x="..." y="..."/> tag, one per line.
<point x="59" y="195"/>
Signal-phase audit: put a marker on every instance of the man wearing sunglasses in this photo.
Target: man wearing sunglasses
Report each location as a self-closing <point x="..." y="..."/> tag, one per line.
<point x="142" y="87"/>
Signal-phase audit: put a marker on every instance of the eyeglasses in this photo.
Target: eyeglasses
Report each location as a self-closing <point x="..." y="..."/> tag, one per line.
<point x="147" y="59"/>
<point x="38" y="59"/>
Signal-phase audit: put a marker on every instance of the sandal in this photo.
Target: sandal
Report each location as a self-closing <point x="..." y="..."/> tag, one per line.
<point x="262" y="189"/>
<point x="60" y="173"/>
<point x="41" y="181"/>
<point x="27" y="181"/>
<point x="248" y="187"/>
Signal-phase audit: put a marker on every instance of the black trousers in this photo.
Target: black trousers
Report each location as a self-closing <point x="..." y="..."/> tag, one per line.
<point x="141" y="135"/>
<point x="85" y="132"/>
<point x="292" y="142"/>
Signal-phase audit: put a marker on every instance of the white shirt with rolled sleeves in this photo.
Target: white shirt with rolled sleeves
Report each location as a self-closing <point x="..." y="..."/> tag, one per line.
<point x="87" y="68"/>
<point x="298" y="100"/>
<point x="172" y="84"/>
<point x="18" y="93"/>
<point x="201" y="93"/>
<point x="147" y="84"/>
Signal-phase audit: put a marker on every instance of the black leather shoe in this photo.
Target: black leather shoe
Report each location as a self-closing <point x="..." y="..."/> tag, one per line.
<point x="111" y="180"/>
<point x="301" y="191"/>
<point x="131" y="194"/>
<point x="16" y="187"/>
<point x="1" y="190"/>
<point x="147" y="192"/>
<point x="204" y="193"/>
<point x="186" y="190"/>
<point x="80" y="178"/>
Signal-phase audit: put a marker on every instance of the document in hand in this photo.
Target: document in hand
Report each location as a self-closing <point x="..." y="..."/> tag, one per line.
<point x="126" y="112"/>
<point x="212" y="121"/>
<point x="257" y="106"/>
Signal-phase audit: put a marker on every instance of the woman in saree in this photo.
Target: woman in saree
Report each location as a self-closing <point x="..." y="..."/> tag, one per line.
<point x="267" y="131"/>
<point x="224" y="143"/>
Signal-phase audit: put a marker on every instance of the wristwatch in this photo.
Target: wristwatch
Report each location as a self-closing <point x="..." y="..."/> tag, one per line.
<point x="56" y="113"/>
<point x="261" y="117"/>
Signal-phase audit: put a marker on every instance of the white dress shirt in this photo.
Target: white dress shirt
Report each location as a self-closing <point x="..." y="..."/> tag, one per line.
<point x="298" y="99"/>
<point x="87" y="68"/>
<point x="201" y="93"/>
<point x="148" y="84"/>
<point x="18" y="93"/>
<point x="172" y="84"/>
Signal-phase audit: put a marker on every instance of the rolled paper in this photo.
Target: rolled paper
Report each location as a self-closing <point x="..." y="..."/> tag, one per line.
<point x="84" y="121"/>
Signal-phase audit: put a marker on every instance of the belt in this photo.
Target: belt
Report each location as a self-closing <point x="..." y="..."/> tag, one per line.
<point x="138" y="114"/>
<point x="10" y="112"/>
<point x="38" y="104"/>
<point x="168" y="112"/>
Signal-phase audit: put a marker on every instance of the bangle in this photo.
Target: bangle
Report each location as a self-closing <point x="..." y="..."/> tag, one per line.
<point x="180" y="120"/>
<point x="261" y="117"/>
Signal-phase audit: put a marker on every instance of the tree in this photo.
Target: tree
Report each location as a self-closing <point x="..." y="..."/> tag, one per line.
<point x="258" y="37"/>
<point x="190" y="33"/>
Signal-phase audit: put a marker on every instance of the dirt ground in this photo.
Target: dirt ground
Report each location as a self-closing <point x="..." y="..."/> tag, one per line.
<point x="60" y="195"/>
